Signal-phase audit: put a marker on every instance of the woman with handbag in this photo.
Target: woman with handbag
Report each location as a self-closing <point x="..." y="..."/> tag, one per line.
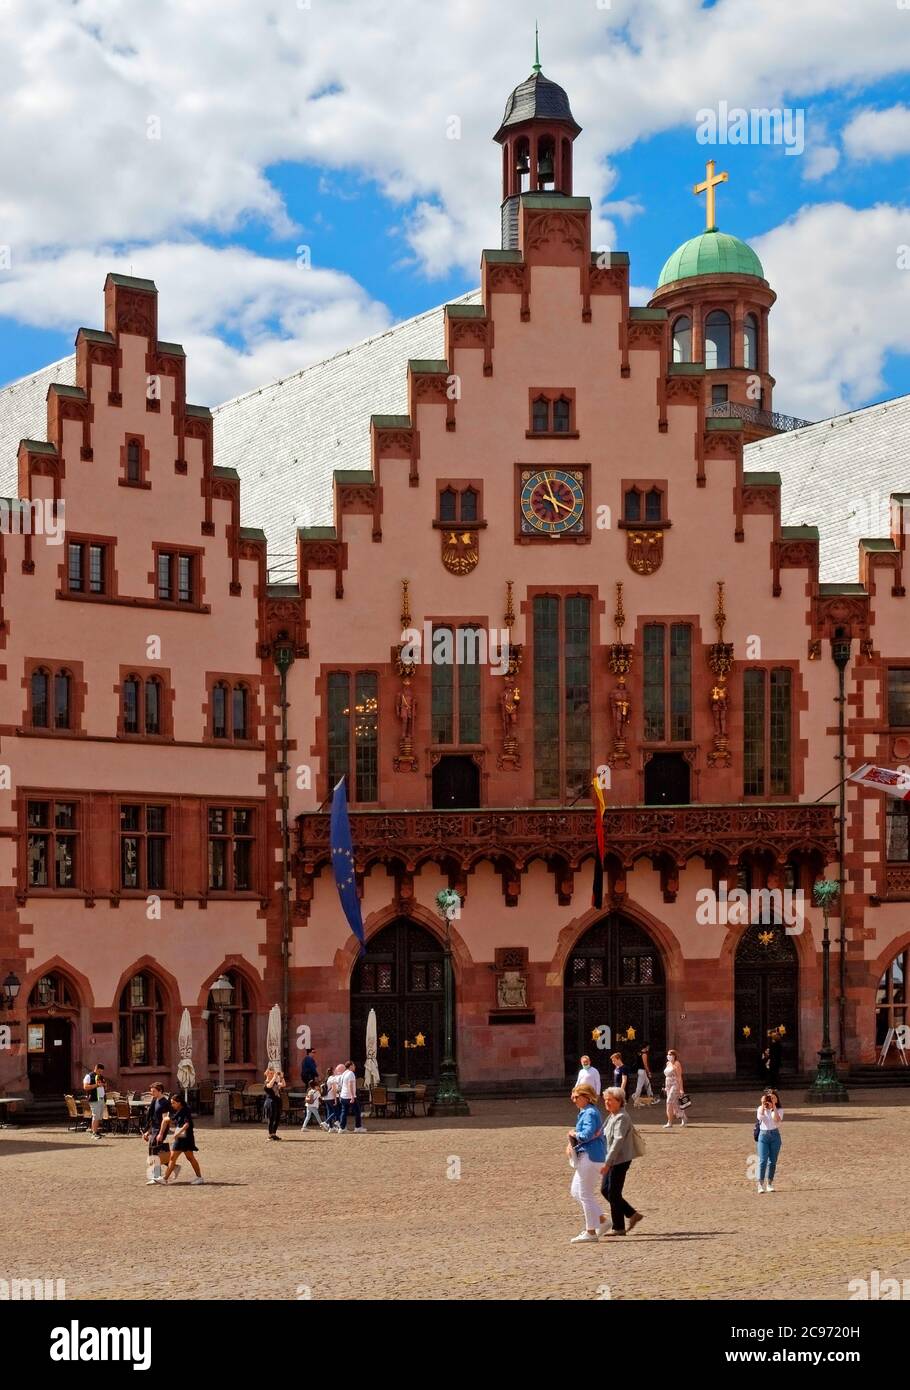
<point x="623" y="1144"/>
<point x="768" y="1119"/>
<point x="673" y="1085"/>
<point x="586" y="1153"/>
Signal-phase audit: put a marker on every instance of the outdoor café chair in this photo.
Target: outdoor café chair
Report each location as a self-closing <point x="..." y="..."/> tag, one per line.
<point x="420" y="1098"/>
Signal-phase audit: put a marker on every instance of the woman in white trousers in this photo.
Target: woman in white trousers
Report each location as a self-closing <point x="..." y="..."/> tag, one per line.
<point x="673" y="1085"/>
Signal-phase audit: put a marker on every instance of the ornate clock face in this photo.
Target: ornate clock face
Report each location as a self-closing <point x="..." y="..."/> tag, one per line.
<point x="552" y="502"/>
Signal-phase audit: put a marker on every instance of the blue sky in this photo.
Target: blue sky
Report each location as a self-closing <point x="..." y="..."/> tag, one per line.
<point x="351" y="162"/>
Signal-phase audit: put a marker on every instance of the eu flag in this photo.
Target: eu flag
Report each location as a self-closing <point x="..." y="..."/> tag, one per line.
<point x="343" y="861"/>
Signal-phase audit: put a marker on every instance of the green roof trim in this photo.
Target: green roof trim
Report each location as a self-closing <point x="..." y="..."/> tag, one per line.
<point x="615" y="257"/>
<point x="95" y="335"/>
<point x="435" y="366"/>
<point x="75" y="393"/>
<point x="877" y="543"/>
<point x="171" y="349"/>
<point x="711" y="253"/>
<point x="466" y="311"/>
<point x="723" y="423"/>
<point x="687" y="369"/>
<point x="556" y="200"/>
<point x="842" y="589"/>
<point x="219" y="471"/>
<point x="283" y="590"/>
<point x="501" y="257"/>
<point x="799" y="533"/>
<point x="316" y="533"/>
<point x="648" y="315"/>
<point x="761" y="480"/>
<point x="252" y="533"/>
<point x="361" y="477"/>
<point x="38" y="446"/>
<point x="390" y="422"/>
<point x="201" y="412"/>
<point x="132" y="282"/>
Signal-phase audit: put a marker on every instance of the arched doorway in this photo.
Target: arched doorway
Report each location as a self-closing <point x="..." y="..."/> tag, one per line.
<point x="400" y="975"/>
<point x="766" y="996"/>
<point x="53" y="1010"/>
<point x="614" y="976"/>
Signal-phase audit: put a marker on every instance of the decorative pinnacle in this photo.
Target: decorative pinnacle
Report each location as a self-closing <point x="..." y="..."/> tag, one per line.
<point x="405" y="604"/>
<point x="536" y="67"/>
<point x="619" y="616"/>
<point x="720" y="616"/>
<point x="510" y="606"/>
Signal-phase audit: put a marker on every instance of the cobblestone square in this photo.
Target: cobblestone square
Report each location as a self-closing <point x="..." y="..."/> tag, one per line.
<point x="476" y="1208"/>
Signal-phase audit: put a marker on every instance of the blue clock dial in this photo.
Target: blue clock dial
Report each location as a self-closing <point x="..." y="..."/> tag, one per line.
<point x="552" y="503"/>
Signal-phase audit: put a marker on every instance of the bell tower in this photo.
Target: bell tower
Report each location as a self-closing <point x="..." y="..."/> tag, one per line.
<point x="536" y="135"/>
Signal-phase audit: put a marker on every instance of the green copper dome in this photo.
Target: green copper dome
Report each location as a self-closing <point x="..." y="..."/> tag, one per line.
<point x="711" y="253"/>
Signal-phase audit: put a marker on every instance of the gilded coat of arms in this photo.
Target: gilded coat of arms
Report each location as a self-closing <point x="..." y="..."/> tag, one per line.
<point x="645" y="550"/>
<point x="460" y="551"/>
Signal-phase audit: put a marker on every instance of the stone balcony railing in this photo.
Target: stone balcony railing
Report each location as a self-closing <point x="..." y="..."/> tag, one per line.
<point x="515" y="837"/>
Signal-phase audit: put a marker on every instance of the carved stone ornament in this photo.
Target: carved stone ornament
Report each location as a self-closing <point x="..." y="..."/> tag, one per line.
<point x="460" y="550"/>
<point x="645" y="551"/>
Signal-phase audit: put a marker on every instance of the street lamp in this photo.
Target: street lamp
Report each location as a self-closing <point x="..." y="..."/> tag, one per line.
<point x="283" y="656"/>
<point x="11" y="988"/>
<point x="449" y="1100"/>
<point x="826" y="1086"/>
<point x="221" y="992"/>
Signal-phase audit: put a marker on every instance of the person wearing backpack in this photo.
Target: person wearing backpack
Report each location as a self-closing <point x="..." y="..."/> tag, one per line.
<point x="623" y="1145"/>
<point x="93" y="1084"/>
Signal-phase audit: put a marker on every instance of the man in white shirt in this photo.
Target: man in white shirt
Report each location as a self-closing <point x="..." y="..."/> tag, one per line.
<point x="589" y="1076"/>
<point x="349" y="1101"/>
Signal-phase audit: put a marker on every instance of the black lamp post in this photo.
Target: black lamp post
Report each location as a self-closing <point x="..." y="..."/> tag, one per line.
<point x="11" y="988"/>
<point x="826" y="1087"/>
<point x="221" y="992"/>
<point x="283" y="656"/>
<point x="449" y="1100"/>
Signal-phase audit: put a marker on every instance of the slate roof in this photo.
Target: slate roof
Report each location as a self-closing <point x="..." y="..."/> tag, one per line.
<point x="838" y="475"/>
<point x="537" y="98"/>
<point x="288" y="437"/>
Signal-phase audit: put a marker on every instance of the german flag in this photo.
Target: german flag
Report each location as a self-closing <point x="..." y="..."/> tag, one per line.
<point x="597" y="894"/>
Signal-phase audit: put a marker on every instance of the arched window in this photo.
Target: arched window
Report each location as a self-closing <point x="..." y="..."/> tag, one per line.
<point x="653" y="504"/>
<point x="469" y="504"/>
<point x="522" y="165"/>
<point x="631" y="507"/>
<point x="130" y="698"/>
<point x="682" y="339"/>
<point x="62" y="699"/>
<point x="239" y="708"/>
<point x="51" y="991"/>
<point x="717" y="339"/>
<point x="133" y="462"/>
<point x="546" y="162"/>
<point x="237" y="1027"/>
<point x="562" y="411"/>
<point x="750" y="341"/>
<point x="891" y="998"/>
<point x="40" y="698"/>
<point x="153" y="706"/>
<point x="143" y="1022"/>
<point x="540" y="415"/>
<point x="448" y="505"/>
<point x="220" y="711"/>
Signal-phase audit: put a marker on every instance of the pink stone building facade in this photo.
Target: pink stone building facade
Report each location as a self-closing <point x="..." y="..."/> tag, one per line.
<point x="566" y="502"/>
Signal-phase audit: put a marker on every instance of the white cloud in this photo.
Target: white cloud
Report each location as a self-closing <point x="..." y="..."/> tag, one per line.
<point x="243" y="319"/>
<point x="879" y="134"/>
<point x="821" y="160"/>
<point x="843" y="304"/>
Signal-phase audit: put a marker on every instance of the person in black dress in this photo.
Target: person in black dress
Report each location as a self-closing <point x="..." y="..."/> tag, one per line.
<point x="184" y="1139"/>
<point x="271" y="1109"/>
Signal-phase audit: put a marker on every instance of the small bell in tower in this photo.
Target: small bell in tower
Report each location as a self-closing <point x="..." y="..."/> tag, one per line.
<point x="545" y="172"/>
<point x="522" y="163"/>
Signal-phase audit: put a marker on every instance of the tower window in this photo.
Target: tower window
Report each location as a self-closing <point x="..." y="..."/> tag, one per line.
<point x="750" y="342"/>
<point x="717" y="340"/>
<point x="682" y="339"/>
<point x="719" y="395"/>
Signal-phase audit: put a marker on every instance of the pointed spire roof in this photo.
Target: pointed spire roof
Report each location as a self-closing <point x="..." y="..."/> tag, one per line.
<point x="537" y="99"/>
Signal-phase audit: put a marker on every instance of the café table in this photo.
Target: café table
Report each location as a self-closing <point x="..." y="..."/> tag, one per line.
<point x="7" y="1100"/>
<point x="403" y="1098"/>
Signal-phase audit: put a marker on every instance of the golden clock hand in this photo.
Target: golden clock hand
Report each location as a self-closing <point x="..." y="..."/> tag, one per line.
<point x="554" y="501"/>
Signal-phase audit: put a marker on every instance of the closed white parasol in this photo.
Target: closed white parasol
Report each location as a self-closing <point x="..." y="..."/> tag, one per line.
<point x="371" y="1069"/>
<point x="186" y="1072"/>
<point x="273" y="1037"/>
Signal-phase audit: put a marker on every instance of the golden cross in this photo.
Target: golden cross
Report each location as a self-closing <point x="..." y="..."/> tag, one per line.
<point x="709" y="185"/>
